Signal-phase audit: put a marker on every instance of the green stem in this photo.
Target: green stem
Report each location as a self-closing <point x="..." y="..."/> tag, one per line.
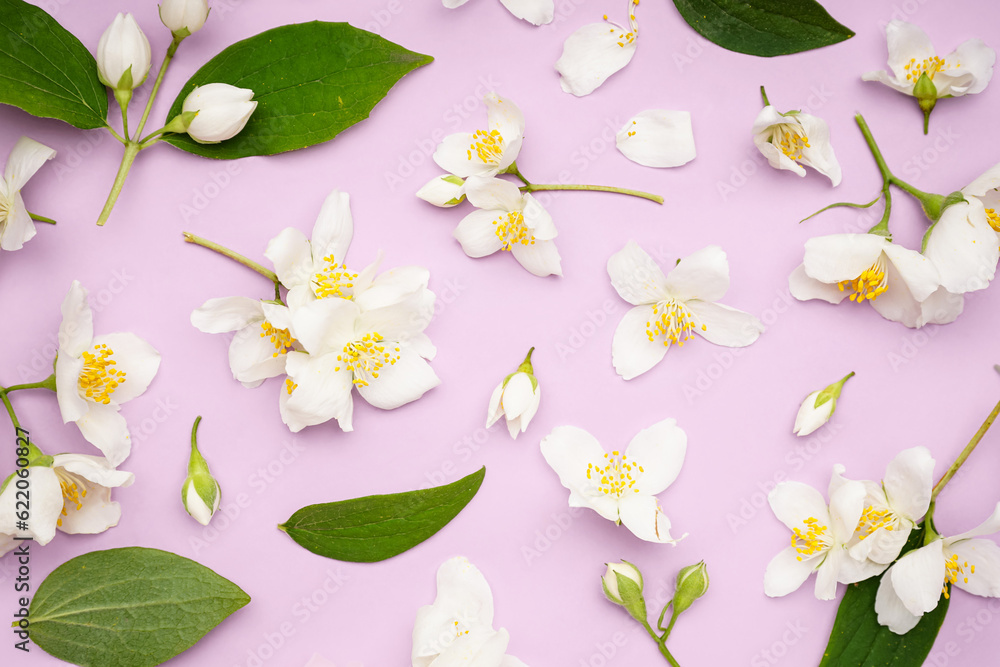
<point x="148" y="140"/>
<point x="512" y="169"/>
<point x="763" y="96"/>
<point x="661" y="643"/>
<point x="115" y="134"/>
<point x="593" y="188"/>
<point x="870" y="140"/>
<point x="222" y="250"/>
<point x="41" y="218"/>
<point x="123" y="99"/>
<point x="963" y="456"/>
<point x="48" y="383"/>
<point x="132" y="149"/>
<point x="10" y="410"/>
<point x="171" y="50"/>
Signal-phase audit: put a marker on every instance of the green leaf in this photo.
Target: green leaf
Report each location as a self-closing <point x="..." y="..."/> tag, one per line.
<point x="857" y="640"/>
<point x="46" y="71"/>
<point x="128" y="607"/>
<point x="763" y="27"/>
<point x="311" y="82"/>
<point x="373" y="528"/>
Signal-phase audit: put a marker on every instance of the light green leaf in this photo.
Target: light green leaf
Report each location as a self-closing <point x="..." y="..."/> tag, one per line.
<point x="46" y="71"/>
<point x="311" y="81"/>
<point x="763" y="27"/>
<point x="129" y="607"/>
<point x="373" y="528"/>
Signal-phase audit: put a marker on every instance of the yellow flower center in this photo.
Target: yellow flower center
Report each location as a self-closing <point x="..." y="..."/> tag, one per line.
<point x="673" y="321"/>
<point x="869" y="285"/>
<point x="993" y="219"/>
<point x="930" y="66"/>
<point x="366" y="357"/>
<point x="510" y="229"/>
<point x="487" y="145"/>
<point x="99" y="377"/>
<point x="333" y="279"/>
<point x="290" y="386"/>
<point x="790" y="139"/>
<point x="73" y="490"/>
<point x="280" y="338"/>
<point x="459" y="631"/>
<point x="615" y="475"/>
<point x="812" y="541"/>
<point x="952" y="571"/>
<point x="872" y="519"/>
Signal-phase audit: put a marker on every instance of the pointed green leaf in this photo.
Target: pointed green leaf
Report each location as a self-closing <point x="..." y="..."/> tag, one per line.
<point x="129" y="607"/>
<point x="373" y="528"/>
<point x="46" y="71"/>
<point x="763" y="27"/>
<point x="857" y="640"/>
<point x="311" y="81"/>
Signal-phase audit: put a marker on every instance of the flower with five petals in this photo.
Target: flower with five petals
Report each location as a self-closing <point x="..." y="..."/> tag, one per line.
<point x="485" y="152"/>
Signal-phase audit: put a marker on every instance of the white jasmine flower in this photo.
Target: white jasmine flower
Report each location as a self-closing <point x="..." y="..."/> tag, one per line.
<point x="200" y="492"/>
<point x="511" y="221"/>
<point x="595" y="52"/>
<point x="458" y="627"/>
<point x="914" y="585"/>
<point x="818" y="407"/>
<point x="672" y="308"/>
<point x="94" y="376"/>
<point x="223" y="111"/>
<point x="537" y="12"/>
<point x="16" y="226"/>
<point x="445" y="191"/>
<point x="963" y="247"/>
<point x="658" y="138"/>
<point x="123" y="54"/>
<point x="516" y="399"/>
<point x="73" y="495"/>
<point x="621" y="487"/>
<point x="485" y="152"/>
<point x="258" y="349"/>
<point x="866" y="268"/>
<point x="792" y="140"/>
<point x="181" y="15"/>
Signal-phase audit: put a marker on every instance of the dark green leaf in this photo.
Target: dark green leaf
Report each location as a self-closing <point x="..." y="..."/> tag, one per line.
<point x="129" y="607"/>
<point x="763" y="27"/>
<point x="373" y="528"/>
<point x="46" y="71"/>
<point x="311" y="81"/>
<point x="857" y="640"/>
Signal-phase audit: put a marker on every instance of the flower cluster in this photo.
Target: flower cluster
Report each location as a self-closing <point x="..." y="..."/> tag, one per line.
<point x="336" y="330"/>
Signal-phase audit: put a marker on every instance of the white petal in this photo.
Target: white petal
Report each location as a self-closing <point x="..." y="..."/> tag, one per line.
<point x="809" y="417"/>
<point x="537" y="219"/>
<point x="322" y="393"/>
<point x="495" y="409"/>
<point x="455" y="155"/>
<point x="837" y="257"/>
<point x="291" y="256"/>
<point x="632" y="353"/>
<point x="443" y="191"/>
<point x="988" y="527"/>
<point x="477" y="234"/>
<point x="505" y="117"/>
<point x="964" y="248"/>
<point x="883" y="546"/>
<point x="980" y="562"/>
<point x="253" y="357"/>
<point x="72" y="406"/>
<point x="906" y="41"/>
<point x="77" y="328"/>
<point x="787" y="572"/>
<point x="134" y="357"/>
<point x="592" y="54"/>
<point x="897" y="302"/>
<point x="701" y="275"/>
<point x="97" y="513"/>
<point x="642" y="515"/>
<point x="569" y="450"/>
<point x="95" y="469"/>
<point x="828" y="572"/>
<point x="982" y="185"/>
<point x="916" y="271"/>
<point x="518" y="396"/>
<point x="660" y="451"/>
<point x="846" y="505"/>
<point x="804" y="288"/>
<point x="400" y="383"/>
<point x="463" y="597"/>
<point x="538" y="12"/>
<point x="917" y="578"/>
<point x="890" y="609"/>
<point x="493" y="194"/>
<point x="975" y="63"/>
<point x="334" y="228"/>
<point x="400" y="321"/>
<point x="46" y="506"/>
<point x="636" y="277"/>
<point x="325" y="325"/>
<point x="793" y="502"/>
<point x="722" y="325"/>
<point x="908" y="481"/>
<point x="941" y="307"/>
<point x="658" y="138"/>
<point x="226" y="314"/>
<point x="763" y="132"/>
<point x="392" y="287"/>
<point x="540" y="258"/>
<point x="24" y="160"/>
<point x="18" y="227"/>
<point x="819" y="154"/>
<point x="104" y="428"/>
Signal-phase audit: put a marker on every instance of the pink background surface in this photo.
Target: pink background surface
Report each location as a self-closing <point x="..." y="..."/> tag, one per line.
<point x="929" y="387"/>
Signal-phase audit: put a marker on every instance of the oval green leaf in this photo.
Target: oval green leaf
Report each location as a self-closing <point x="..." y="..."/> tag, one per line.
<point x="373" y="528"/>
<point x="128" y="607"/>
<point x="857" y="640"/>
<point x="46" y="71"/>
<point x="763" y="27"/>
<point x="311" y="81"/>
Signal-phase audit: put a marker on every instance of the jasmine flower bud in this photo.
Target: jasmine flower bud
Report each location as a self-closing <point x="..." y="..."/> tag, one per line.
<point x="818" y="407"/>
<point x="222" y="111"/>
<point x="123" y="55"/>
<point x="692" y="583"/>
<point x="622" y="583"/>
<point x="516" y="398"/>
<point x="183" y="17"/>
<point x="201" y="493"/>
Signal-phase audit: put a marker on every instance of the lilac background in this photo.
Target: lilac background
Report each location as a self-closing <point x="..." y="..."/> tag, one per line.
<point x="931" y="387"/>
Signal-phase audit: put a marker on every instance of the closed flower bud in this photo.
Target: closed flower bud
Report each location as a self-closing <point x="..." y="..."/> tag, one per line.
<point x="444" y="191"/>
<point x="692" y="583"/>
<point x="516" y="398"/>
<point x="183" y="17"/>
<point x="818" y="407"/>
<point x="123" y="55"/>
<point x="223" y="111"/>
<point x="622" y="583"/>
<point x="201" y="493"/>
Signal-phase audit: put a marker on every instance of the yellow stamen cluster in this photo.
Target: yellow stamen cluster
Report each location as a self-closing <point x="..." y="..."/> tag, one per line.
<point x="632" y="132"/>
<point x="673" y="321"/>
<point x="930" y="66"/>
<point x="458" y="631"/>
<point x="993" y="219"/>
<point x="615" y="475"/>
<point x="869" y="285"/>
<point x="487" y="145"/>
<point x="873" y="519"/>
<point x="333" y="279"/>
<point x="510" y="229"/>
<point x="290" y="386"/>
<point x="73" y="491"/>
<point x="812" y="541"/>
<point x="280" y="338"/>
<point x="365" y="357"/>
<point x="952" y="571"/>
<point x="790" y="139"/>
<point x="99" y="377"/>
<point x="626" y="37"/>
